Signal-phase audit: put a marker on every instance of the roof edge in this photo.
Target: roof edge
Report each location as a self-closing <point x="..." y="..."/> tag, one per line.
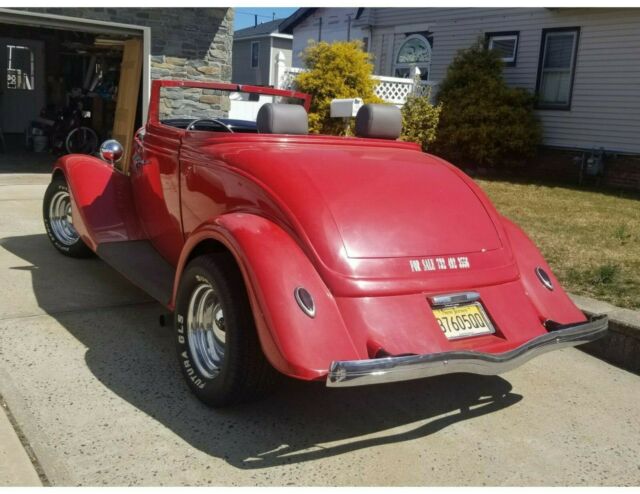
<point x="294" y="19"/>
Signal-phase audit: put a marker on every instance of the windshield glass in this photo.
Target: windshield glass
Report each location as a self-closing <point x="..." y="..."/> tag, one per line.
<point x="182" y="106"/>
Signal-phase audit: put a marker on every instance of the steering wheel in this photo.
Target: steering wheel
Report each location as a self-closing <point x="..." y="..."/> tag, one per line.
<point x="214" y="120"/>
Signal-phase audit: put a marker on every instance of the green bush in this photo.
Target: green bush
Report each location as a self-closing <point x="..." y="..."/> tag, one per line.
<point x="337" y="70"/>
<point x="420" y="120"/>
<point x="483" y="121"/>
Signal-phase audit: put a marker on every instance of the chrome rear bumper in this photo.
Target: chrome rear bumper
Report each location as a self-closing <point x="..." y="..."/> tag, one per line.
<point x="390" y="369"/>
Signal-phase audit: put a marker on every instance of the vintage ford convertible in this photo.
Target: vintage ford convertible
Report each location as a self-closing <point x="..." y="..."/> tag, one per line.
<point x="355" y="260"/>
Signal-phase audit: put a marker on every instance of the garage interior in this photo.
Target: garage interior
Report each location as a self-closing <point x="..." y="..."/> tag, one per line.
<point x="64" y="91"/>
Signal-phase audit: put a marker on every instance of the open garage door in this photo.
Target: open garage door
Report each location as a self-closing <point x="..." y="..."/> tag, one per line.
<point x="125" y="117"/>
<point x="66" y="84"/>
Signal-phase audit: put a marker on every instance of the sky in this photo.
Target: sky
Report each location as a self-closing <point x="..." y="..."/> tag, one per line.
<point x="244" y="15"/>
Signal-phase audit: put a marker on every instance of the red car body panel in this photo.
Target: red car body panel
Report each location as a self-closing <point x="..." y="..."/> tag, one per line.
<point x="102" y="201"/>
<point x="157" y="190"/>
<point x="352" y="220"/>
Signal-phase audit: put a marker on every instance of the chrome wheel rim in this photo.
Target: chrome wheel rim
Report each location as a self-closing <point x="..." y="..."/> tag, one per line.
<point x="60" y="219"/>
<point x="205" y="330"/>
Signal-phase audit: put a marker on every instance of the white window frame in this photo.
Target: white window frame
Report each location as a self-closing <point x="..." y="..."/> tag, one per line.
<point x="257" y="44"/>
<point x="403" y="65"/>
<point x="550" y="33"/>
<point x="502" y="37"/>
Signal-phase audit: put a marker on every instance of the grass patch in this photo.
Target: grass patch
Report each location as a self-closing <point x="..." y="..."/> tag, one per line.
<point x="622" y="234"/>
<point x="590" y="237"/>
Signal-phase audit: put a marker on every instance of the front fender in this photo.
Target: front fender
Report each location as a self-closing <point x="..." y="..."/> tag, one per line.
<point x="550" y="304"/>
<point x="273" y="265"/>
<point x="101" y="200"/>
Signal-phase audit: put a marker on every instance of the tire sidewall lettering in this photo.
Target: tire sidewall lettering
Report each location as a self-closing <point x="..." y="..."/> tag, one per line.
<point x="202" y="279"/>
<point x="190" y="371"/>
<point x="59" y="187"/>
<point x="243" y="373"/>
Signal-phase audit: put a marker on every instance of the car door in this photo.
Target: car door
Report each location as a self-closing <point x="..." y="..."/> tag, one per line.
<point x="155" y="181"/>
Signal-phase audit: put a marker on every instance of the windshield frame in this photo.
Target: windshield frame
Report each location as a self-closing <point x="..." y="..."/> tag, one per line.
<point x="157" y="85"/>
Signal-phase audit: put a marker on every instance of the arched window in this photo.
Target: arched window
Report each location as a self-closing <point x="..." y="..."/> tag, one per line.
<point x="414" y="52"/>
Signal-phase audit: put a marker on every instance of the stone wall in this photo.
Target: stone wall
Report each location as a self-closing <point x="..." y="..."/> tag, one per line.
<point x="193" y="102"/>
<point x="186" y="43"/>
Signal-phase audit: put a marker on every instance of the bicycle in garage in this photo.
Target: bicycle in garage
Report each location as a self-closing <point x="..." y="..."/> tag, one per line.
<point x="72" y="134"/>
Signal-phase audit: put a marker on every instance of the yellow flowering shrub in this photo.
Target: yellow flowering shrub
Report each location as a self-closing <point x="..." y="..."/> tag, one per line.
<point x="335" y="70"/>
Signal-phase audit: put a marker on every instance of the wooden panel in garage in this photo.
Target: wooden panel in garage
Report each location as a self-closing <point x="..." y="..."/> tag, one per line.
<point x="128" y="90"/>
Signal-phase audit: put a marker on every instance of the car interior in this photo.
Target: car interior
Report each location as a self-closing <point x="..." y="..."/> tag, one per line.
<point x="378" y="121"/>
<point x="213" y="125"/>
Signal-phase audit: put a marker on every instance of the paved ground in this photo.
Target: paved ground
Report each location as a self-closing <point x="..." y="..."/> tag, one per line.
<point x="16" y="468"/>
<point x="91" y="380"/>
<point x="15" y="159"/>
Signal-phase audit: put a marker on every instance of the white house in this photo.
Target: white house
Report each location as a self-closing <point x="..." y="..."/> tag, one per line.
<point x="581" y="62"/>
<point x="323" y="24"/>
<point x="254" y="53"/>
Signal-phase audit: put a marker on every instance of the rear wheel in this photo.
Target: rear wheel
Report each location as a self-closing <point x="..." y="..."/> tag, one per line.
<point x="58" y="222"/>
<point x="81" y="140"/>
<point x="218" y="347"/>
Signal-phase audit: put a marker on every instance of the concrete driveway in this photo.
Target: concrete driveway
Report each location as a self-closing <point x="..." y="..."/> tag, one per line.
<point x="92" y="381"/>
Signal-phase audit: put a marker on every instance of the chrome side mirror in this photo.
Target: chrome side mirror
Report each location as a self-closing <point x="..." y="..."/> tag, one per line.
<point x="111" y="151"/>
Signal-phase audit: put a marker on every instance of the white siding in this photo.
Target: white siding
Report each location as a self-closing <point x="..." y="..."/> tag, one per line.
<point x="242" y="72"/>
<point x="335" y="23"/>
<point x="279" y="45"/>
<point x="605" y="108"/>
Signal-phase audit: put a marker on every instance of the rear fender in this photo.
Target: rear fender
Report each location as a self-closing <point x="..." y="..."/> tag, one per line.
<point x="101" y="200"/>
<point x="550" y="304"/>
<point x="273" y="265"/>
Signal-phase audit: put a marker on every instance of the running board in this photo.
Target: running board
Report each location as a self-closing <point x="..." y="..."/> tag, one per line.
<point x="142" y="265"/>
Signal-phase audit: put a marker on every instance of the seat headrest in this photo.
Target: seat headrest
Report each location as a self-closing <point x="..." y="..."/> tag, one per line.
<point x="379" y="121"/>
<point x="282" y="119"/>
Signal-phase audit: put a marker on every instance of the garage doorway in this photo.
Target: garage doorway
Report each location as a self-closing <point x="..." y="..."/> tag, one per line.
<point x="60" y="81"/>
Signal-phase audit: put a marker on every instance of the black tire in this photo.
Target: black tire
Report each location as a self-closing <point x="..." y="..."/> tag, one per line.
<point x="244" y="374"/>
<point x="69" y="245"/>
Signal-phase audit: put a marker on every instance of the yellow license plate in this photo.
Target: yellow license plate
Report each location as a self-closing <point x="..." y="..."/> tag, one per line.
<point x="463" y="321"/>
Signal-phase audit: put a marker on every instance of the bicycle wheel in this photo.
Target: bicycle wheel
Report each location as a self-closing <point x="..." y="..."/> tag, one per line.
<point x="81" y="140"/>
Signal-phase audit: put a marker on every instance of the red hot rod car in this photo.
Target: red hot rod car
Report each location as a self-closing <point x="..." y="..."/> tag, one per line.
<point x="355" y="260"/>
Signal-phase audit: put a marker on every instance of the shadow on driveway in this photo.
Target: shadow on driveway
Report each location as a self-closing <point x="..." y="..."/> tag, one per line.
<point x="135" y="358"/>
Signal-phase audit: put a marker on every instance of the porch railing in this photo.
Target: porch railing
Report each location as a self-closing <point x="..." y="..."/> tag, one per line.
<point x="396" y="90"/>
<point x="393" y="90"/>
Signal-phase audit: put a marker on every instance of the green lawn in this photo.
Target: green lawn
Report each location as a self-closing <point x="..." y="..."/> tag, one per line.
<point x="590" y="237"/>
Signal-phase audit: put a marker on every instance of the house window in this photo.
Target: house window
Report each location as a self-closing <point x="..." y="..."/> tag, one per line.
<point x="20" y="67"/>
<point x="557" y="66"/>
<point x="506" y="44"/>
<point x="414" y="52"/>
<point x="255" y="54"/>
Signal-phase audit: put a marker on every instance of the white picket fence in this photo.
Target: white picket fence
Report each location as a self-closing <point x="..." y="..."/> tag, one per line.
<point x="396" y="90"/>
<point x="393" y="90"/>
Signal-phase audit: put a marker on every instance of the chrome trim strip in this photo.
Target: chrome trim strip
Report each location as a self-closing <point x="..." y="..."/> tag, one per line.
<point x="454" y="298"/>
<point x="392" y="369"/>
